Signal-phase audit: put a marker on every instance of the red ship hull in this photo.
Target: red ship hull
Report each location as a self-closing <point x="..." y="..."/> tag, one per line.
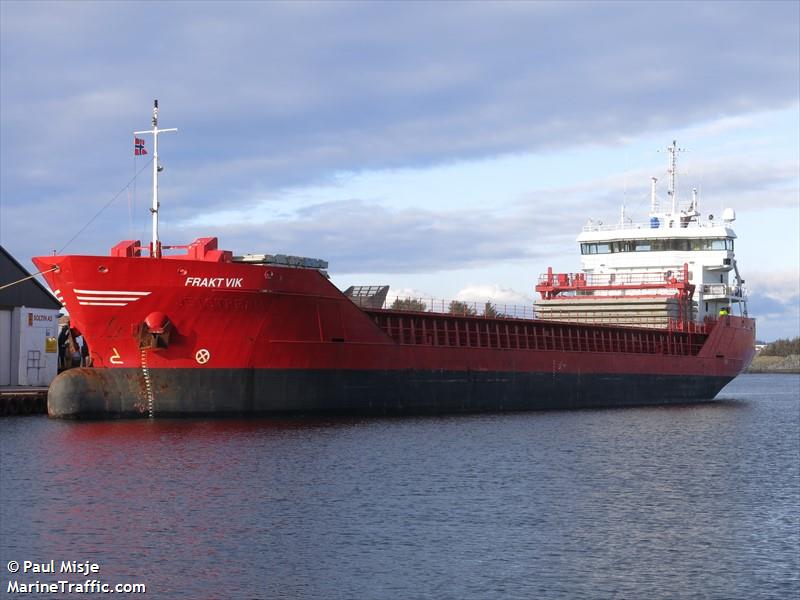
<point x="202" y="335"/>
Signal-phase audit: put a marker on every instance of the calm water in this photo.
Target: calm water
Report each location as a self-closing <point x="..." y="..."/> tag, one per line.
<point x="694" y="501"/>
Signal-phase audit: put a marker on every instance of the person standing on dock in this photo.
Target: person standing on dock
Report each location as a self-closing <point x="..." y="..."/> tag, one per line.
<point x="85" y="360"/>
<point x="63" y="343"/>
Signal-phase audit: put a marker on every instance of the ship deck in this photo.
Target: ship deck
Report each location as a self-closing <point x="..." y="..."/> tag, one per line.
<point x="504" y="332"/>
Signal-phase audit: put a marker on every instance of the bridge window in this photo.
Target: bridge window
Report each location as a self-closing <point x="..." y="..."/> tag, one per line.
<point x="657" y="245"/>
<point x="726" y="244"/>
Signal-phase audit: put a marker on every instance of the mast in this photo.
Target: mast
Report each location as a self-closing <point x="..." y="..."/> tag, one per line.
<point x="155" y="245"/>
<point x="672" y="169"/>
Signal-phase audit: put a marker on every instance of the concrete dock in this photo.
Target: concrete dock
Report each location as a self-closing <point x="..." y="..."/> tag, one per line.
<point x="23" y="400"/>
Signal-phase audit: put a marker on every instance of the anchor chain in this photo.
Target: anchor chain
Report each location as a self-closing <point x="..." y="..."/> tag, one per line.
<point x="148" y="384"/>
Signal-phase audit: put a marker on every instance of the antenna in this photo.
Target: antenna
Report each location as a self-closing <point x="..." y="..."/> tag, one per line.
<point x="155" y="245"/>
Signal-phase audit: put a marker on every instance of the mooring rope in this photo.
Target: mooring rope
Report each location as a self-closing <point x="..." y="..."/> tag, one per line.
<point x="8" y="285"/>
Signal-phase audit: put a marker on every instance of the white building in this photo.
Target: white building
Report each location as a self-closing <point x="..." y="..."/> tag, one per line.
<point x="28" y="328"/>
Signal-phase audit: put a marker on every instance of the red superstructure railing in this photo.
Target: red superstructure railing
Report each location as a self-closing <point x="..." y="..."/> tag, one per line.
<point x="561" y="284"/>
<point x="620" y="285"/>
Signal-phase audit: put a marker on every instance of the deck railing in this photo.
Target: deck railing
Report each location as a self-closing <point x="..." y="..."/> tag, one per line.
<point x="674" y="223"/>
<point x="722" y="289"/>
<point x="464" y="308"/>
<point x="617" y="278"/>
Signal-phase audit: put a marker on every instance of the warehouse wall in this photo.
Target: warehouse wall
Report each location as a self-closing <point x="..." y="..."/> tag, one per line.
<point x="5" y="347"/>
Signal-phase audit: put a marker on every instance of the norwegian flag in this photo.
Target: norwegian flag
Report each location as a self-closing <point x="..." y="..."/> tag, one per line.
<point x="138" y="147"/>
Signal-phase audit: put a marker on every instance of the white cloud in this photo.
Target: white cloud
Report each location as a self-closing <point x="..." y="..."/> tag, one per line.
<point x="407" y="292"/>
<point x="782" y="285"/>
<point x="493" y="293"/>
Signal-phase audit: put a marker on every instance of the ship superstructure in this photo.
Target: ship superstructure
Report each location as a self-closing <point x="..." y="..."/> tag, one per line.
<point x="629" y="270"/>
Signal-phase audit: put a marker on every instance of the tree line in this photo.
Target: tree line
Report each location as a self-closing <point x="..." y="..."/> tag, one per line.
<point x="455" y="308"/>
<point x="782" y="347"/>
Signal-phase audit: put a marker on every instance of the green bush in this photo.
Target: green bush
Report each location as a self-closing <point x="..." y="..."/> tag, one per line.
<point x="409" y="304"/>
<point x="782" y="347"/>
<point x="461" y="308"/>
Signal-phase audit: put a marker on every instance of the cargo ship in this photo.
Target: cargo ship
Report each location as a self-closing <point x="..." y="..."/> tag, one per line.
<point x="196" y="330"/>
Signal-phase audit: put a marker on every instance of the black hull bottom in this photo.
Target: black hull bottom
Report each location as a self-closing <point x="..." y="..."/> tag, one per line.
<point x="119" y="393"/>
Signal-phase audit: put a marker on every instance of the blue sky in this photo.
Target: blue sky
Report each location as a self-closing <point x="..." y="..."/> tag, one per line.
<point x="454" y="149"/>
